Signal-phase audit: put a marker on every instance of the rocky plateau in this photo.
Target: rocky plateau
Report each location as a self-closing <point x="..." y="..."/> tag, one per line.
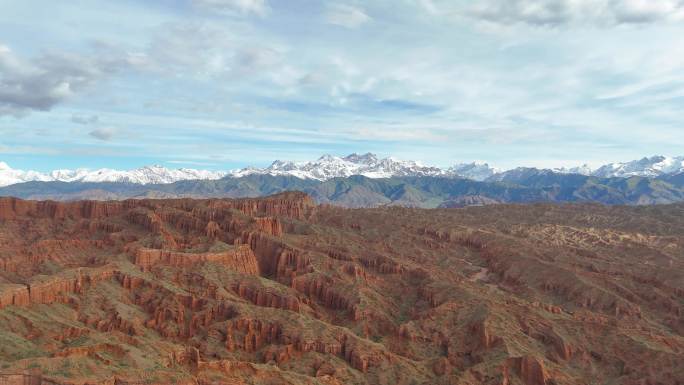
<point x="281" y="290"/>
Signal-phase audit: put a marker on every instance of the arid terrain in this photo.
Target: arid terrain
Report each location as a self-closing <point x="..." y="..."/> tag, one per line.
<point x="278" y="290"/>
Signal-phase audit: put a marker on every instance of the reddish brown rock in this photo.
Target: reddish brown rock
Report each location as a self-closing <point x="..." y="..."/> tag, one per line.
<point x="52" y="289"/>
<point x="264" y="297"/>
<point x="486" y="339"/>
<point x="575" y="294"/>
<point x="269" y="225"/>
<point x="339" y="255"/>
<point x="240" y="259"/>
<point x="147" y="219"/>
<point x="382" y="265"/>
<point x="25" y="379"/>
<point x="276" y="259"/>
<point x="291" y="204"/>
<point x="251" y="335"/>
<point x="324" y="291"/>
<point x="17" y="295"/>
<point x="429" y="295"/>
<point x="11" y="208"/>
<point x="547" y="307"/>
<point x="290" y="263"/>
<point x="441" y="366"/>
<point x="529" y="369"/>
<point x="212" y="230"/>
<point x="131" y="283"/>
<point x="266" y="248"/>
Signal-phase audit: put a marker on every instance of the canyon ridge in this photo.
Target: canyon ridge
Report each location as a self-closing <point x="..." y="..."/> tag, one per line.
<point x="281" y="290"/>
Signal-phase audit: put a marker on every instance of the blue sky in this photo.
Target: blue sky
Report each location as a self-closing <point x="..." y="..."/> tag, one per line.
<point x="220" y="84"/>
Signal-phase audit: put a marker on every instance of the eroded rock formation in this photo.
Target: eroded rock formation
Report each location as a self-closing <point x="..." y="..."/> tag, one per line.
<point x="277" y="290"/>
<point x="240" y="258"/>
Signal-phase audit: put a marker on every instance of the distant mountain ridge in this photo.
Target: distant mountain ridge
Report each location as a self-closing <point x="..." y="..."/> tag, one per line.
<point x="145" y="175"/>
<point x="652" y="167"/>
<point x="329" y="167"/>
<point x="358" y="191"/>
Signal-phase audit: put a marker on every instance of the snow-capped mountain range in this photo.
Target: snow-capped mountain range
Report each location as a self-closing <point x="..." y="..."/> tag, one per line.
<point x="328" y="167"/>
<point x="143" y="175"/>
<point x="648" y="167"/>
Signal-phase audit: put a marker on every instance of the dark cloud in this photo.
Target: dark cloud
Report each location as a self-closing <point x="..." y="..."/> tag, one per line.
<point x="523" y="11"/>
<point x="563" y="12"/>
<point x="45" y="81"/>
<point x="646" y="11"/>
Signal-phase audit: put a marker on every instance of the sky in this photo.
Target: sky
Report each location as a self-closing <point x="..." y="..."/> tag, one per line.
<point x="222" y="84"/>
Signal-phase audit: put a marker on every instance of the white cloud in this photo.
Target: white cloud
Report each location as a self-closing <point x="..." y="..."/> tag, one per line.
<point x="257" y="7"/>
<point x="507" y="84"/>
<point x="208" y="50"/>
<point x="84" y="119"/>
<point x="346" y="15"/>
<point x="103" y="133"/>
<point x="429" y="6"/>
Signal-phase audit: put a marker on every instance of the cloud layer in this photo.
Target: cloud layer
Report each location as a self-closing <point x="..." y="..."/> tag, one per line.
<point x="246" y="81"/>
<point x="257" y="7"/>
<point x="346" y="15"/>
<point x="564" y="12"/>
<point x="104" y="133"/>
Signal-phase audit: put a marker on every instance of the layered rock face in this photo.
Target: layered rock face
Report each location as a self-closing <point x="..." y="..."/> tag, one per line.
<point x="529" y="369"/>
<point x="289" y="204"/>
<point x="12" y="208"/>
<point x="279" y="291"/>
<point x="53" y="289"/>
<point x="240" y="258"/>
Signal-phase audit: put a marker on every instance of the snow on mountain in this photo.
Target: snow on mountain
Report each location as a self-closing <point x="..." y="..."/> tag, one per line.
<point x="143" y="175"/>
<point x="646" y="167"/>
<point x="150" y="175"/>
<point x="329" y="166"/>
<point x="584" y="169"/>
<point x="519" y="174"/>
<point x="10" y="176"/>
<point x="478" y="171"/>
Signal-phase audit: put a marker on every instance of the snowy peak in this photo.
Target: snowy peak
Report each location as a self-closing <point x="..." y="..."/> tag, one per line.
<point x="647" y="167"/>
<point x="476" y="170"/>
<point x="145" y="175"/>
<point x="330" y="166"/>
<point x="584" y="169"/>
<point x="367" y="158"/>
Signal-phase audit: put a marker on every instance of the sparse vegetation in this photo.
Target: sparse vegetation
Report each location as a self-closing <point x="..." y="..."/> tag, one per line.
<point x="369" y="296"/>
